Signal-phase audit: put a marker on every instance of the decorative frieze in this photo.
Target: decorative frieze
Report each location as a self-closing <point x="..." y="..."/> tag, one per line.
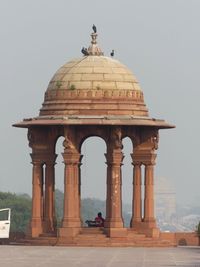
<point x="60" y="94"/>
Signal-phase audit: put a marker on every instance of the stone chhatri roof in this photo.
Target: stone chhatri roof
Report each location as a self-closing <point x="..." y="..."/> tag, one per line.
<point x="94" y="89"/>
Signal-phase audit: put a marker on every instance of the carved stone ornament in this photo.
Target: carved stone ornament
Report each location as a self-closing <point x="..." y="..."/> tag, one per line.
<point x="116" y="138"/>
<point x="31" y="138"/>
<point x="69" y="138"/>
<point x="155" y="140"/>
<point x="67" y="143"/>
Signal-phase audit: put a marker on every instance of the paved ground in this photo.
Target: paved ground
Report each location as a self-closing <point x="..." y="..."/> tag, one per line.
<point x="20" y="256"/>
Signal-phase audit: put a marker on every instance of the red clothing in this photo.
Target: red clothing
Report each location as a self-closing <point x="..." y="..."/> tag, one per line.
<point x="99" y="221"/>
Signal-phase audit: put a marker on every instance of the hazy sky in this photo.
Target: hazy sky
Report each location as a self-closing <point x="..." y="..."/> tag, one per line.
<point x="159" y="40"/>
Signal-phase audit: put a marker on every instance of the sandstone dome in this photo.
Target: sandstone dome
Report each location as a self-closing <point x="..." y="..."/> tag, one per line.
<point x="93" y="85"/>
<point x="94" y="73"/>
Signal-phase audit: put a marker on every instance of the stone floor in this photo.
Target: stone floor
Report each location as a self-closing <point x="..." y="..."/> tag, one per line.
<point x="25" y="256"/>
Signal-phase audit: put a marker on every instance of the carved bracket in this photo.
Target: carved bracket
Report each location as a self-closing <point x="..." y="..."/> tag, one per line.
<point x="148" y="140"/>
<point x="116" y="138"/>
<point x="70" y="143"/>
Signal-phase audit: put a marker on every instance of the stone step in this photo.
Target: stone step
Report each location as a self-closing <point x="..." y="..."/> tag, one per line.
<point x="96" y="240"/>
<point x="92" y="230"/>
<point x="48" y="235"/>
<point x="136" y="236"/>
<point x="94" y="237"/>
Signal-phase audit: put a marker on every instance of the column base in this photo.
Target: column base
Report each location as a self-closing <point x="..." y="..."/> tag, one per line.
<point x="48" y="226"/>
<point x="116" y="232"/>
<point x="71" y="223"/>
<point x="147" y="227"/>
<point x="68" y="232"/>
<point x="136" y="224"/>
<point x="151" y="232"/>
<point x="149" y="223"/>
<point x="36" y="228"/>
<point x="113" y="223"/>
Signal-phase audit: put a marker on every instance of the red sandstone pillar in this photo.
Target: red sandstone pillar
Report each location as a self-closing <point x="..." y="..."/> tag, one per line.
<point x="108" y="194"/>
<point x="149" y="196"/>
<point x="77" y="189"/>
<point x="114" y="198"/>
<point x="137" y="200"/>
<point x="71" y="217"/>
<point x="49" y="202"/>
<point x="36" y="220"/>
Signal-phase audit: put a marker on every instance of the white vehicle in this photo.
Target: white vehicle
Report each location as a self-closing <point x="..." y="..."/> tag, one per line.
<point x="5" y="223"/>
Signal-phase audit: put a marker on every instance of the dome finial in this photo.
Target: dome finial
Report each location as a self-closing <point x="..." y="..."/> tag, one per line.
<point x="93" y="49"/>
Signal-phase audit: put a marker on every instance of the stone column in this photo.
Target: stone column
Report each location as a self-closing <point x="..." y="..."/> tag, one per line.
<point x="71" y="217"/>
<point x="79" y="190"/>
<point x="37" y="184"/>
<point x="114" y="196"/>
<point x="149" y="218"/>
<point x="137" y="196"/>
<point x="108" y="195"/>
<point x="49" y="196"/>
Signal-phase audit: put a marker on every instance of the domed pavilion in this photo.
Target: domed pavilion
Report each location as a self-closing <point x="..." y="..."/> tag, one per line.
<point x="93" y="95"/>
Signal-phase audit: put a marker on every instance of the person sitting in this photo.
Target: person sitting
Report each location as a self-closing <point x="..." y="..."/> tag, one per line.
<point x="99" y="220"/>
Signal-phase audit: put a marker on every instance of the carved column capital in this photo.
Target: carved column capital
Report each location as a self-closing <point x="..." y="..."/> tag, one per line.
<point x="43" y="158"/>
<point x="36" y="158"/>
<point x="145" y="157"/>
<point x="72" y="158"/>
<point x="136" y="159"/>
<point x="114" y="158"/>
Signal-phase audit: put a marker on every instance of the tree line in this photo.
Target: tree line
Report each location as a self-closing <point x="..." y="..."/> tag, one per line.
<point x="20" y="205"/>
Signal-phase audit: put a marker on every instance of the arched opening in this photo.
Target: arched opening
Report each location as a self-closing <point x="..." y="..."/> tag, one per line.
<point x="59" y="180"/>
<point x="182" y="242"/>
<point x="127" y="181"/>
<point x="93" y="178"/>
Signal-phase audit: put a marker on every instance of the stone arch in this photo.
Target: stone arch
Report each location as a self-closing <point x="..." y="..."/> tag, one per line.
<point x="131" y="133"/>
<point x="182" y="242"/>
<point x="93" y="148"/>
<point x="91" y="131"/>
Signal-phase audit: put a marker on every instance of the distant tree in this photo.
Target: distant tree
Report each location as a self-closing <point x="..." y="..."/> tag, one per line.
<point x="59" y="198"/>
<point x="90" y="207"/>
<point x="20" y="206"/>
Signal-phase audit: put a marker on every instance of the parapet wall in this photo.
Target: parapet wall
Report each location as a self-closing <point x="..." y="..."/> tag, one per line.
<point x="182" y="238"/>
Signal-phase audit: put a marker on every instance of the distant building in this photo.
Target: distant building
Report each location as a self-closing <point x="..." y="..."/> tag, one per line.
<point x="165" y="199"/>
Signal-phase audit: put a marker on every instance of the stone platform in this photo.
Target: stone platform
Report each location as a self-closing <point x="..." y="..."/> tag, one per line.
<point x="95" y="237"/>
<point x="28" y="256"/>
